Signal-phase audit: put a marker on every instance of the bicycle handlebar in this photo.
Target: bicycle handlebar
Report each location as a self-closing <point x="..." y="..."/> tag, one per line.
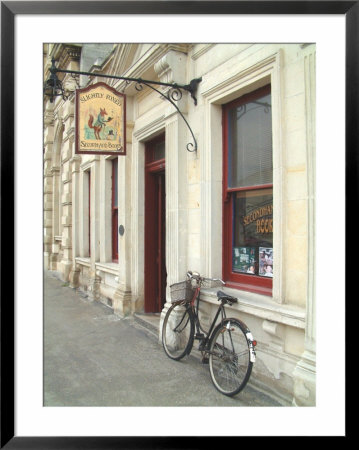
<point x="196" y="276"/>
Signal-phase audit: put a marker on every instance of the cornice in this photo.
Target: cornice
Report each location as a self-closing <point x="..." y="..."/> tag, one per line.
<point x="148" y="60"/>
<point x="64" y="54"/>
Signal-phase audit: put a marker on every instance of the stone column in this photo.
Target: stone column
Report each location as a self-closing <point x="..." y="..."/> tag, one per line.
<point x="68" y="57"/>
<point x="172" y="68"/>
<point x="137" y="196"/>
<point x="208" y="228"/>
<point x="123" y="296"/>
<point x="95" y="187"/>
<point x="47" y="210"/>
<point x="48" y="190"/>
<point x="176" y="205"/>
<point x="66" y="180"/>
<point x="75" y="170"/>
<point x="176" y="199"/>
<point x="55" y="171"/>
<point x="305" y="372"/>
<point x="105" y="212"/>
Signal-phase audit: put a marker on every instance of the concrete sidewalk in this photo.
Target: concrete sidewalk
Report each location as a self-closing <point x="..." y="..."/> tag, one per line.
<point x="94" y="358"/>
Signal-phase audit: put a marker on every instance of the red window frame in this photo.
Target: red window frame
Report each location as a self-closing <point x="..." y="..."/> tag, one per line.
<point x="153" y="161"/>
<point x="251" y="283"/>
<point x="114" y="210"/>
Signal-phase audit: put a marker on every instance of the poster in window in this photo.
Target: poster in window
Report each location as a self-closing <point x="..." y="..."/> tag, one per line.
<point x="266" y="262"/>
<point x="244" y="259"/>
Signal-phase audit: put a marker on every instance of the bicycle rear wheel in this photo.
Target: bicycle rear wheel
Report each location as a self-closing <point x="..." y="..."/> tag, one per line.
<point x="229" y="357"/>
<point x="178" y="331"/>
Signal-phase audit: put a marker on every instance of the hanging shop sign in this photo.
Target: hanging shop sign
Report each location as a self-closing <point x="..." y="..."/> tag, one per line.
<point x="100" y="121"/>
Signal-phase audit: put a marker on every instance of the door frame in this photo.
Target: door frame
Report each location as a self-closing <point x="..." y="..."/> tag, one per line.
<point x="155" y="213"/>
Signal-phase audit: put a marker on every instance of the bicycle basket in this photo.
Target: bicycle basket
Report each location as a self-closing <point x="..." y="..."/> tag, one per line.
<point x="181" y="291"/>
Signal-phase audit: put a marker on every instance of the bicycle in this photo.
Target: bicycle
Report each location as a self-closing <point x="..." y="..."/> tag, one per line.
<point x="228" y="348"/>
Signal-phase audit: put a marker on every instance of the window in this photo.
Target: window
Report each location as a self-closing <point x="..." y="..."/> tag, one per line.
<point x="248" y="192"/>
<point x="114" y="210"/>
<point x="155" y="151"/>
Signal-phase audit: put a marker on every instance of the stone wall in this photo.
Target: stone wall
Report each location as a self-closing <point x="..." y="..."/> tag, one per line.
<point x="284" y="323"/>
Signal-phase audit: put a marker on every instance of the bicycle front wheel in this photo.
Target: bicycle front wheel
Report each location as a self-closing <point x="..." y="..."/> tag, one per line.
<point x="178" y="331"/>
<point x="229" y="357"/>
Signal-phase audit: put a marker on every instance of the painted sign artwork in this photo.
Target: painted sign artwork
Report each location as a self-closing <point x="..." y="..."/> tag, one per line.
<point x="100" y="120"/>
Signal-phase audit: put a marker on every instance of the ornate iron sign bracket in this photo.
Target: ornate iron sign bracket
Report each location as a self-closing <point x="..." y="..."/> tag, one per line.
<point x="53" y="88"/>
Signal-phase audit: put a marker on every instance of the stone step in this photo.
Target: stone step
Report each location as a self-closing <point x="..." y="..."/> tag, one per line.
<point x="151" y="321"/>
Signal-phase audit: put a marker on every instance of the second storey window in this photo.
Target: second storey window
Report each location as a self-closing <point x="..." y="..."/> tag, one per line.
<point x="248" y="192"/>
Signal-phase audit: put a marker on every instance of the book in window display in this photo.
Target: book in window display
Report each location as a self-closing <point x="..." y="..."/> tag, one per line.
<point x="244" y="260"/>
<point x="266" y="262"/>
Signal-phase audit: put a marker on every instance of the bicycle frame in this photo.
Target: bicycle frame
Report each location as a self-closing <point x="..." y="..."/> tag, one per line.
<point x="195" y="309"/>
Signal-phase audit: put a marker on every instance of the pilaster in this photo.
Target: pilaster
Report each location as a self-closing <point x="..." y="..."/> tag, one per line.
<point x="74" y="277"/>
<point x="305" y="372"/>
<point x="48" y="183"/>
<point x="55" y="248"/>
<point x="123" y="296"/>
<point x="122" y="302"/>
<point x="171" y="68"/>
<point x="176" y="199"/>
<point x="137" y="196"/>
<point x="105" y="209"/>
<point x="95" y="211"/>
<point x="93" y="291"/>
<point x="66" y="189"/>
<point x="75" y="171"/>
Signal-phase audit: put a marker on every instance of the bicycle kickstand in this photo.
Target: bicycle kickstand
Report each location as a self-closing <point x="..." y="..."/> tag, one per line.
<point x="205" y="358"/>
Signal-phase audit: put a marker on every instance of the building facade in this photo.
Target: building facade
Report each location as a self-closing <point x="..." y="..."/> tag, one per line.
<point x="241" y="207"/>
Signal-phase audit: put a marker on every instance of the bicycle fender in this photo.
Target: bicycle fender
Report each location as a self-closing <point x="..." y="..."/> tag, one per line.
<point x="249" y="336"/>
<point x="252" y="353"/>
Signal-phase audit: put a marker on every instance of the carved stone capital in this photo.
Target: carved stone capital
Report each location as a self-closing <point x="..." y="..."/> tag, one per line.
<point x="171" y="68"/>
<point x="71" y="83"/>
<point x="49" y="117"/>
<point x="69" y="53"/>
<point x="75" y="163"/>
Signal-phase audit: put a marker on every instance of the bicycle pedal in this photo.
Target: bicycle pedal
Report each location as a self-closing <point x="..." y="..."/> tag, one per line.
<point x="199" y="336"/>
<point x="205" y="360"/>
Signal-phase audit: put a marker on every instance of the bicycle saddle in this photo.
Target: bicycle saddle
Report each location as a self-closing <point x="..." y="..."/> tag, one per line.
<point x="222" y="295"/>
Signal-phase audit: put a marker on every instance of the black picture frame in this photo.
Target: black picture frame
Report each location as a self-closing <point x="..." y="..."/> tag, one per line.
<point x="9" y="9"/>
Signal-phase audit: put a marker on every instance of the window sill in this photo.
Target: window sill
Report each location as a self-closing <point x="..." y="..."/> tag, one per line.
<point x="83" y="261"/>
<point x="260" y="306"/>
<point x="108" y="267"/>
<point x="256" y="289"/>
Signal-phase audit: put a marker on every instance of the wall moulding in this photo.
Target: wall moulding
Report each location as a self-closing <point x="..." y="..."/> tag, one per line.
<point x="263" y="308"/>
<point x="89" y="163"/>
<point x="222" y="87"/>
<point x="146" y="63"/>
<point x="149" y="129"/>
<point x="202" y="51"/>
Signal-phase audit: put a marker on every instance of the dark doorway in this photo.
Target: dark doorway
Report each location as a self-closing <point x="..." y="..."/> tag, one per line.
<point x="155" y="226"/>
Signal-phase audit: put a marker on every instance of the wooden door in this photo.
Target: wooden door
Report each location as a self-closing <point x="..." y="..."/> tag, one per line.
<point x="155" y="229"/>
